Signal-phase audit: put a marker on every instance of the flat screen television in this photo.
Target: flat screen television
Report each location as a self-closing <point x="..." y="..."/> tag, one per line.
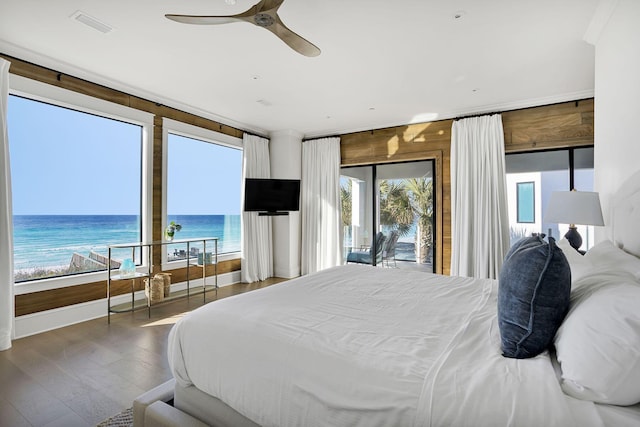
<point x="271" y="195"/>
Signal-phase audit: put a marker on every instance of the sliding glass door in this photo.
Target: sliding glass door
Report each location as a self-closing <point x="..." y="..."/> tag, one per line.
<point x="397" y="201"/>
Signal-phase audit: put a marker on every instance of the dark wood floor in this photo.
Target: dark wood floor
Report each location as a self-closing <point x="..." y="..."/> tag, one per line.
<point x="82" y="374"/>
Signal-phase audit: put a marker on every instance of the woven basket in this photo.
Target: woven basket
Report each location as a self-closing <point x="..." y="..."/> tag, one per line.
<point x="154" y="288"/>
<point x="166" y="278"/>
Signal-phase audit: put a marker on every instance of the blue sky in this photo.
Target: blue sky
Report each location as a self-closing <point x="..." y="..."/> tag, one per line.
<point x="206" y="177"/>
<point x="65" y="162"/>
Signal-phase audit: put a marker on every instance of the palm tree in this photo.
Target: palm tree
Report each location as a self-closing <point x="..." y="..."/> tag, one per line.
<point x="395" y="206"/>
<point x="402" y="203"/>
<point x="421" y="193"/>
<point x="346" y="202"/>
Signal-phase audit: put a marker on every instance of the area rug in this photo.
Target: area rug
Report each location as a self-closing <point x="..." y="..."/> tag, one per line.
<point x="123" y="419"/>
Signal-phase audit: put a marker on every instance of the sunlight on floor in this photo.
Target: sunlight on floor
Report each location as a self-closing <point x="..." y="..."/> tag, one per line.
<point x="167" y="321"/>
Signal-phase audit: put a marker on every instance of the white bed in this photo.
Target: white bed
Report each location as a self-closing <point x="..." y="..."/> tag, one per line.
<point x="359" y="346"/>
<point x="363" y="346"/>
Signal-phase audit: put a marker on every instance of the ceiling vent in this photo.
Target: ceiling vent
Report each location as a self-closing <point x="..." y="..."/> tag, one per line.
<point x="91" y="22"/>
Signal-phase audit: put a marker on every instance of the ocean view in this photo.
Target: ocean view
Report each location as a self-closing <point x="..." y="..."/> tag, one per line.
<point x="49" y="241"/>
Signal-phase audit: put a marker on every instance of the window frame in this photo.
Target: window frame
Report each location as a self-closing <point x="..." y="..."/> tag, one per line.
<point x="572" y="168"/>
<point x="533" y="202"/>
<point x="53" y="95"/>
<point x="170" y="126"/>
<point x="374" y="216"/>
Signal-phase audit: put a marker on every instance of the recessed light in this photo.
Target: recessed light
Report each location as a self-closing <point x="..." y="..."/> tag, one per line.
<point x="230" y="1"/>
<point x="459" y="14"/>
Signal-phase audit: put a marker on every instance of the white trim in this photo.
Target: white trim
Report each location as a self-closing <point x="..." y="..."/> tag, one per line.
<point x="39" y="91"/>
<point x="31" y="324"/>
<point x="599" y="20"/>
<point x="194" y="132"/>
<point x="191" y="131"/>
<point x="287" y="272"/>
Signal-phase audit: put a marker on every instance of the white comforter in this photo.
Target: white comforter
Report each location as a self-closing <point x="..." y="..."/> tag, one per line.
<point x="362" y="346"/>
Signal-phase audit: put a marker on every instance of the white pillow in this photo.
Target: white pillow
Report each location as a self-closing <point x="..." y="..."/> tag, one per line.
<point x="598" y="344"/>
<point x="605" y="255"/>
<point x="579" y="264"/>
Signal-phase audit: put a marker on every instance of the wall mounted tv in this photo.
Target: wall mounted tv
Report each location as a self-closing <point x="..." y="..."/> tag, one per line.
<point x="271" y="196"/>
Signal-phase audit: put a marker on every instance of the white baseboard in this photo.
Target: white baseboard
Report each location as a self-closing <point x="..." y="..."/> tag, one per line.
<point x="287" y="273"/>
<point x="31" y="324"/>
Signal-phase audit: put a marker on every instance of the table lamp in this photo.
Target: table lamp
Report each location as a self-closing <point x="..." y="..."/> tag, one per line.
<point x="574" y="207"/>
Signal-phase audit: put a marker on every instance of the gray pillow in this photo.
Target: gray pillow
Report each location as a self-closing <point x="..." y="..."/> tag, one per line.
<point x="533" y="296"/>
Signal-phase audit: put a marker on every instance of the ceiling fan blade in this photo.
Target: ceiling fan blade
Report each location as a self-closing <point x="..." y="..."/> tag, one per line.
<point x="247" y="15"/>
<point x="268" y="5"/>
<point x="295" y="41"/>
<point x="204" y="20"/>
<point x="263" y="14"/>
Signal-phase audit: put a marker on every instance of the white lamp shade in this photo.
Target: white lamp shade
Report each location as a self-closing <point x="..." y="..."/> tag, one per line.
<point x="574" y="207"/>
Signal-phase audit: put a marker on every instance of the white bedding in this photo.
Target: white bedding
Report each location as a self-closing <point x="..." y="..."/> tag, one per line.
<point x="363" y="346"/>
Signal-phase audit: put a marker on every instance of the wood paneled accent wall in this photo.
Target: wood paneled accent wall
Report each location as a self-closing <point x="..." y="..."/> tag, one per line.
<point x="568" y="124"/>
<point x="55" y="298"/>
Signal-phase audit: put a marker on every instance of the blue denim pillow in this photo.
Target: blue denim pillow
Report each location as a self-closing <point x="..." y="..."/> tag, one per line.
<point x="533" y="296"/>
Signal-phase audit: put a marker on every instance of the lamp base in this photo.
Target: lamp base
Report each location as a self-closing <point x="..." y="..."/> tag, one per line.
<point x="574" y="238"/>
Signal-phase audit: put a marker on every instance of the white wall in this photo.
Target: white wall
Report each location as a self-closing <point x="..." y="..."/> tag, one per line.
<point x="524" y="229"/>
<point x="285" y="153"/>
<point x="362" y="198"/>
<point x="617" y="103"/>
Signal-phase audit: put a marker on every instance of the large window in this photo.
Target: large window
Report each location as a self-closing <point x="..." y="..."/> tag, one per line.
<point x="77" y="180"/>
<point x="203" y="182"/>
<point x="531" y="177"/>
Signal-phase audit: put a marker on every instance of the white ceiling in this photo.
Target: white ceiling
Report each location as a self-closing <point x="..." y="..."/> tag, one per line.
<point x="383" y="63"/>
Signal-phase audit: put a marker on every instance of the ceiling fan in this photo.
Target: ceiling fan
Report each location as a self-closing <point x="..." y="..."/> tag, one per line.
<point x="264" y="14"/>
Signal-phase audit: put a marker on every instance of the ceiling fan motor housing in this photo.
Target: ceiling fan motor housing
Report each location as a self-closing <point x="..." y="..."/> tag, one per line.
<point x="264" y="20"/>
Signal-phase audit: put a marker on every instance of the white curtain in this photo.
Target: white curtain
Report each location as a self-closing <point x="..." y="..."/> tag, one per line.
<point x="320" y="205"/>
<point x="257" y="237"/>
<point x="479" y="215"/>
<point x="6" y="218"/>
